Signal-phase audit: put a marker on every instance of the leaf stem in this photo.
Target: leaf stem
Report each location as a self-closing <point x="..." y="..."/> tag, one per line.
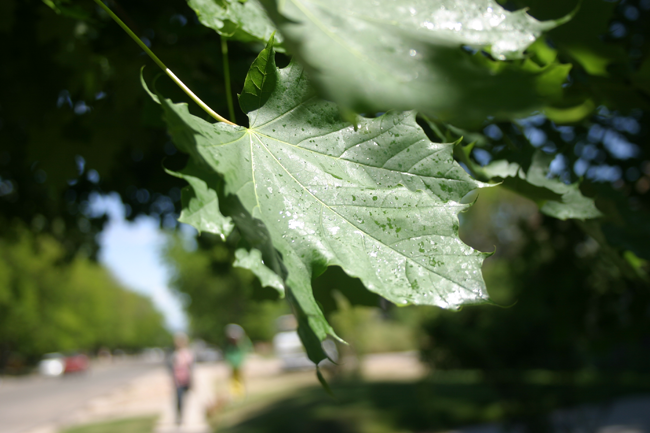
<point x="226" y="74"/>
<point x="434" y="127"/>
<point x="162" y="66"/>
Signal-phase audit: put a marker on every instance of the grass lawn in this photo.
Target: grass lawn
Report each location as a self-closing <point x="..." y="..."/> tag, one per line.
<point x="128" y="425"/>
<point x="443" y="401"/>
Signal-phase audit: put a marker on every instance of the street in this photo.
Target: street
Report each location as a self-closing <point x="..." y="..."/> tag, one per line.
<point x="128" y="389"/>
<point x="26" y="403"/>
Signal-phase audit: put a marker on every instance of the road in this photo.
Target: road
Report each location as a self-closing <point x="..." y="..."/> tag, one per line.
<point x="34" y="401"/>
<point x="40" y="405"/>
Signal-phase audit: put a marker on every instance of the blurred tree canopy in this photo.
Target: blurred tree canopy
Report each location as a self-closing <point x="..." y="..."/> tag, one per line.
<point x="217" y="294"/>
<point x="48" y="303"/>
<point x="567" y="306"/>
<point x="74" y="121"/>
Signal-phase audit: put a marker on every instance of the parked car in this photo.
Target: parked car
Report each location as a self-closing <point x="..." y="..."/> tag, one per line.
<point x="204" y="352"/>
<point x="52" y="365"/>
<point x="289" y="349"/>
<point x="76" y="363"/>
<point x="154" y="355"/>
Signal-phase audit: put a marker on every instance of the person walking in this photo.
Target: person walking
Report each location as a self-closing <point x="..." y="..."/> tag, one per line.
<point x="181" y="364"/>
<point x="237" y="347"/>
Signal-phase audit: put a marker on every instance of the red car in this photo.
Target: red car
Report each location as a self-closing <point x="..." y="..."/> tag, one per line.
<point x="76" y="363"/>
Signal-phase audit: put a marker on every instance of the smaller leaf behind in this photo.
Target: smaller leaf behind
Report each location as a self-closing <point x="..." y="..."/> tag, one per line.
<point x="243" y="21"/>
<point x="555" y="198"/>
<point x="200" y="202"/>
<point x="259" y="82"/>
<point x="252" y="260"/>
<point x="379" y="55"/>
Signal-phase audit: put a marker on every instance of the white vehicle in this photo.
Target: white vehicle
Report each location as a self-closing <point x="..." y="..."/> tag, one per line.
<point x="203" y="352"/>
<point x="52" y="365"/>
<point x="288" y="347"/>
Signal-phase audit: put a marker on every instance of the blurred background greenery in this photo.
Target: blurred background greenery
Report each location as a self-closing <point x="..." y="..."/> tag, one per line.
<point x="48" y="304"/>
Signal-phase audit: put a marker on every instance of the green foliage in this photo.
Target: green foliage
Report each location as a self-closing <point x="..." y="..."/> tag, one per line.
<point x="606" y="67"/>
<point x="371" y="330"/>
<point x="344" y="201"/>
<point x="48" y="304"/>
<point x="566" y="309"/>
<point x="375" y="56"/>
<point x="75" y="122"/>
<point x="245" y="21"/>
<point x="217" y="293"/>
<point x="300" y="147"/>
<point x="252" y="260"/>
<point x="554" y="197"/>
<point x="527" y="169"/>
<point x="200" y="203"/>
<point x="365" y="59"/>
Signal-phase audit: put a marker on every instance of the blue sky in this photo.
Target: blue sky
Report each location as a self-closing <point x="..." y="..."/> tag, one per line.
<point x="132" y="252"/>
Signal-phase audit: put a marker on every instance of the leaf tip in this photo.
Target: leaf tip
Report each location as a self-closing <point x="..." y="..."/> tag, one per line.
<point x="324" y="383"/>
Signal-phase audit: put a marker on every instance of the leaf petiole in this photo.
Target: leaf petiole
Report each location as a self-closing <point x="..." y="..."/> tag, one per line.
<point x="162" y="66"/>
<point x="226" y="74"/>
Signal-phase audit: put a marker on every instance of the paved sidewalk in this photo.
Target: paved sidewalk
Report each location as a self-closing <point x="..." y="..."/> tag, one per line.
<point x="198" y="400"/>
<point x="149" y="395"/>
<point x="143" y="396"/>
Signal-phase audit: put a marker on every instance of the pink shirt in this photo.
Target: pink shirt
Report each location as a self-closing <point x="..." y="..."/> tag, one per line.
<point x="182" y="367"/>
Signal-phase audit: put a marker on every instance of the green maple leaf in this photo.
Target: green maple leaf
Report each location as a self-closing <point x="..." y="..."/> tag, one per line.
<point x="253" y="260"/>
<point x="375" y="55"/>
<point x="554" y="197"/>
<point x="200" y="202"/>
<point x="526" y="172"/>
<point x="310" y="190"/>
<point x="245" y="21"/>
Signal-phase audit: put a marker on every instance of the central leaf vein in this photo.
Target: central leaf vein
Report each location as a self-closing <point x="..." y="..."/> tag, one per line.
<point x="325" y="205"/>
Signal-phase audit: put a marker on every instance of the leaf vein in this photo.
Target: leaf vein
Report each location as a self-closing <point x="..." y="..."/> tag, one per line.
<point x="270" y="122"/>
<point x="325" y="205"/>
